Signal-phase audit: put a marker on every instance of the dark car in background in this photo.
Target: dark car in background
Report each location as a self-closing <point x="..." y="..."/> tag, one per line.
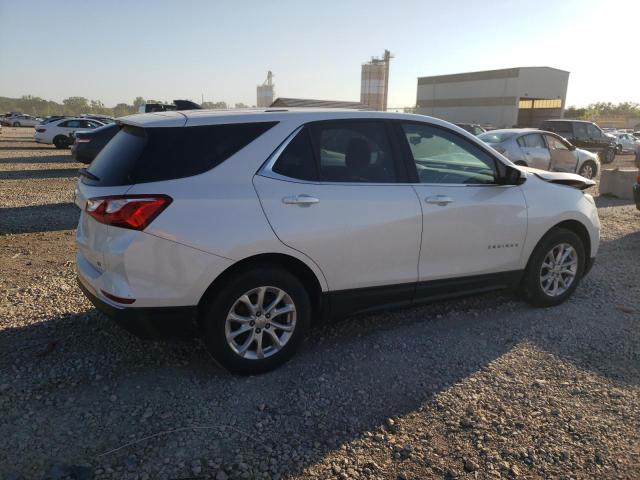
<point x="89" y="143"/>
<point x="585" y="135"/>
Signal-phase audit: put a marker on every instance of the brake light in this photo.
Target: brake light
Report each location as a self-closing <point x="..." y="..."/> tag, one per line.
<point x="135" y="212"/>
<point x="41" y="130"/>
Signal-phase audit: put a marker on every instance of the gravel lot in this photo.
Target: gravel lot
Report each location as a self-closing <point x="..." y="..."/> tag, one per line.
<point x="483" y="387"/>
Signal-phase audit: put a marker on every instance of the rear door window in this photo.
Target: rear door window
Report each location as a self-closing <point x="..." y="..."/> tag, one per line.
<point x="354" y="152"/>
<point x="138" y="155"/>
<point x="581" y="131"/>
<point x="533" y="140"/>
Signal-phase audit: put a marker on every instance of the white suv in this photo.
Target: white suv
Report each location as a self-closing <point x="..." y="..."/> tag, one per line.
<point x="245" y="227"/>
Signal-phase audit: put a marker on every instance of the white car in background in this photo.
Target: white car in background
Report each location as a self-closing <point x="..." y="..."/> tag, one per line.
<point x="58" y="132"/>
<point x="246" y="227"/>
<point x="21" y="121"/>
<point x="626" y="142"/>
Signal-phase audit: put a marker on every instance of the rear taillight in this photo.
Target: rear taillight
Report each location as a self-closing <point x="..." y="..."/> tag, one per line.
<point x="82" y="140"/>
<point x="41" y="130"/>
<point x="127" y="211"/>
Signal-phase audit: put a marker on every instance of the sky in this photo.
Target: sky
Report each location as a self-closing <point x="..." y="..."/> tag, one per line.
<point x="220" y="50"/>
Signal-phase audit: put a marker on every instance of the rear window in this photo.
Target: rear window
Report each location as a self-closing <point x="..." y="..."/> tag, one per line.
<point x="138" y="155"/>
<point x="495" y="137"/>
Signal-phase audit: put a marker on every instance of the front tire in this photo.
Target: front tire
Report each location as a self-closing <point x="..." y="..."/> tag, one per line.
<point x="257" y="321"/>
<point x="16" y="124"/>
<point x="588" y="170"/>
<point x="554" y="269"/>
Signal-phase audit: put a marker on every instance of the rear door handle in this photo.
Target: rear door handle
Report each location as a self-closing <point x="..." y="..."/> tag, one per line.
<point x="302" y="200"/>
<point x="440" y="200"/>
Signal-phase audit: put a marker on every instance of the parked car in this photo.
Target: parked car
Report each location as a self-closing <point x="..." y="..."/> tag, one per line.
<point x="101" y="118"/>
<point x="164" y="107"/>
<point x="636" y="134"/>
<point x="22" y="121"/>
<point x="249" y="226"/>
<point x="52" y="118"/>
<point x="542" y="150"/>
<point x="586" y="135"/>
<point x="58" y="132"/>
<point x="89" y="143"/>
<point x="626" y="142"/>
<point x="472" y="128"/>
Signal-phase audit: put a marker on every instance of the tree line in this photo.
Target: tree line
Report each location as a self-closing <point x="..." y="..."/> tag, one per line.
<point x="40" y="107"/>
<point x="604" y="109"/>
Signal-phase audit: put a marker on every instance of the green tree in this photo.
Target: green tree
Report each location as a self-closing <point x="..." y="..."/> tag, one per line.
<point x="241" y="105"/>
<point x="75" y="105"/>
<point x="214" y="105"/>
<point x="137" y="103"/>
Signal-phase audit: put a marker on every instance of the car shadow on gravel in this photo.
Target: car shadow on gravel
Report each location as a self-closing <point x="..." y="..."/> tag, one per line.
<point x="39" y="218"/>
<point x="38" y="174"/>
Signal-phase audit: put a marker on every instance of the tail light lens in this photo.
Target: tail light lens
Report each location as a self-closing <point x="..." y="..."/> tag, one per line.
<point x="135" y="212"/>
<point x="82" y="139"/>
<point x="41" y="130"/>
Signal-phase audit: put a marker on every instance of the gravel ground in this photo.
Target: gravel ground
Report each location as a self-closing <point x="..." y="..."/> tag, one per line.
<point x="482" y="387"/>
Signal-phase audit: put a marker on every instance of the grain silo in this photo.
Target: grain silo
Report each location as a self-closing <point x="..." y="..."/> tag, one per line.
<point x="375" y="82"/>
<point x="266" y="92"/>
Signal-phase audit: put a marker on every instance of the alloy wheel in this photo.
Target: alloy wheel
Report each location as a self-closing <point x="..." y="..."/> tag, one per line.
<point x="587" y="171"/>
<point x="559" y="269"/>
<point x="260" y="322"/>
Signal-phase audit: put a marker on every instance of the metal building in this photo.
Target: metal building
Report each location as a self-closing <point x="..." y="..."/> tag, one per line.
<point x="266" y="92"/>
<point x="374" y="86"/>
<point x="523" y="96"/>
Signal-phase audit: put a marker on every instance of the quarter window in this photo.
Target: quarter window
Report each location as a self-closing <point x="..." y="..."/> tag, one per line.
<point x="354" y="152"/>
<point x="443" y="157"/>
<point x="297" y="161"/>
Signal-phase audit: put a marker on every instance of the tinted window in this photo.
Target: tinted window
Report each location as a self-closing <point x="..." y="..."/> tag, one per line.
<point x="297" y="161"/>
<point x="563" y="128"/>
<point x="593" y="131"/>
<point x="354" y="152"/>
<point x="64" y="124"/>
<point x="443" y="157"/>
<point x="581" y="130"/>
<point x="73" y="124"/>
<point x="137" y="155"/>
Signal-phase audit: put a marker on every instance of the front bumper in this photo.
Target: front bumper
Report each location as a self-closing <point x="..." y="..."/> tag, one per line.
<point x="147" y="322"/>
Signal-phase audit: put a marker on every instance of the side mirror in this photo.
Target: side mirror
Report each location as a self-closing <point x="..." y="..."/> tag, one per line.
<point x="508" y="175"/>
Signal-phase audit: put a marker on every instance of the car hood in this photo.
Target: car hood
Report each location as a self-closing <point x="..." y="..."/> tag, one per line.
<point x="562" y="178"/>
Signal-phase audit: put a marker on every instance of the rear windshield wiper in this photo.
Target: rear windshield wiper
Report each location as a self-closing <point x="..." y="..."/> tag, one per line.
<point x="86" y="173"/>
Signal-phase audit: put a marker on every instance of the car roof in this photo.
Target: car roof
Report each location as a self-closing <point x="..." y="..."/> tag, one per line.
<point x="515" y="130"/>
<point x="301" y="115"/>
<point x="566" y="120"/>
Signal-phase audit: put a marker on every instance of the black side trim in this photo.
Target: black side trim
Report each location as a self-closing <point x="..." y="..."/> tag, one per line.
<point x="455" y="287"/>
<point x="149" y="323"/>
<point x="363" y="300"/>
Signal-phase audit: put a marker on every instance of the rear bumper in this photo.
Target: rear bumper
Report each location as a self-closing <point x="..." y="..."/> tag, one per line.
<point x="147" y="322"/>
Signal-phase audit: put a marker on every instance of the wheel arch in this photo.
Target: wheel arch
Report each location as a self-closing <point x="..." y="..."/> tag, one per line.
<point x="289" y="263"/>
<point x="574" y="226"/>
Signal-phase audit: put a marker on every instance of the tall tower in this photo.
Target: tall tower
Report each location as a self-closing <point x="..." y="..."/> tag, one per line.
<point x="266" y="92"/>
<point x="374" y="86"/>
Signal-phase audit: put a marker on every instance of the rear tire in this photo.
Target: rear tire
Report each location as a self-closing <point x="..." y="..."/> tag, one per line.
<point x="61" y="141"/>
<point x="609" y="155"/>
<point x="554" y="269"/>
<point x="588" y="170"/>
<point x="240" y="330"/>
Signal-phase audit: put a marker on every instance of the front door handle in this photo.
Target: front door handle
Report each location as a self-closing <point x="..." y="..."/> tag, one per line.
<point x="440" y="200"/>
<point x="302" y="200"/>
